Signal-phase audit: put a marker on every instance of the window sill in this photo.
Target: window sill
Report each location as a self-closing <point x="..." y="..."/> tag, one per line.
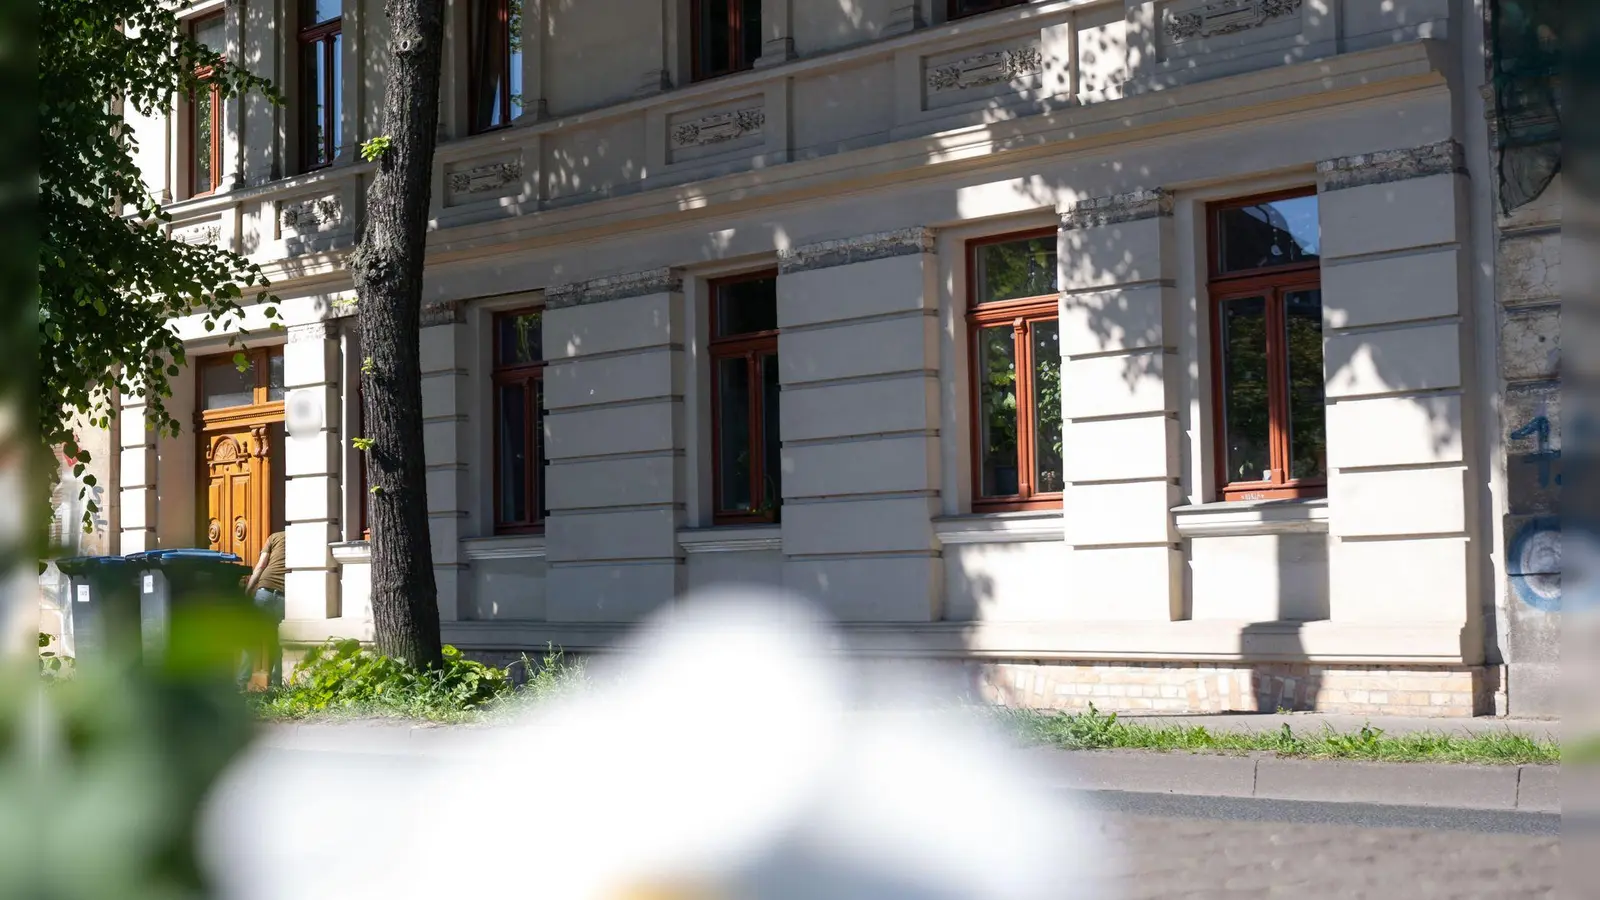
<point x="1234" y="518"/>
<point x="351" y="552"/>
<point x="1001" y="527"/>
<point x="510" y="546"/>
<point x="731" y="539"/>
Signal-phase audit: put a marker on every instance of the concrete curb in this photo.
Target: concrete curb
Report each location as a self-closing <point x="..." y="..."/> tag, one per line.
<point x="1527" y="788"/>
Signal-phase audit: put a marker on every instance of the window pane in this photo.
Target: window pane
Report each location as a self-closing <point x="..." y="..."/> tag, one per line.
<point x="315" y="12"/>
<point x="714" y="38"/>
<point x="771" y="446"/>
<point x="749" y="32"/>
<point x="312" y="91"/>
<point x="997" y="411"/>
<point x="512" y="471"/>
<point x="210" y="32"/>
<point x="1262" y="235"/>
<point x="275" y="376"/>
<point x="519" y="339"/>
<point x="1047" y="406"/>
<point x="1015" y="269"/>
<point x="1308" y="443"/>
<point x="202" y="141"/>
<point x="487" y="58"/>
<point x="733" y="433"/>
<point x="538" y="448"/>
<point x="514" y="42"/>
<point x="335" y="101"/>
<point x="223" y="385"/>
<point x="747" y="307"/>
<point x="1247" y="425"/>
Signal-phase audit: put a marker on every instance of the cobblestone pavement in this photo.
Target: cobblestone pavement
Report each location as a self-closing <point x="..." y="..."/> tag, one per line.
<point x="1186" y="857"/>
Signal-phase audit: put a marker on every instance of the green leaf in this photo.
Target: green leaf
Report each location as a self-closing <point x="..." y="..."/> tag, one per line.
<point x="376" y="147"/>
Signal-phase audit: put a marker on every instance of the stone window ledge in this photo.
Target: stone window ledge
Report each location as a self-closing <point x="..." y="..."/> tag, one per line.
<point x="511" y="546"/>
<point x="1258" y="517"/>
<point x="351" y="552"/>
<point x="731" y="539"/>
<point x="1001" y="528"/>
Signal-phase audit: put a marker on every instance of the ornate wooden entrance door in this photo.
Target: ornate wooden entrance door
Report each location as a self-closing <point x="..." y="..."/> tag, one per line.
<point x="238" y="495"/>
<point x="240" y="426"/>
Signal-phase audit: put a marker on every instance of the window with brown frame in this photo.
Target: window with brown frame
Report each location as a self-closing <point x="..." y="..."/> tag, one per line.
<point x="745" y="461"/>
<point x="1016" y="372"/>
<point x="518" y="378"/>
<point x="320" y="109"/>
<point x="224" y="386"/>
<point x="494" y="61"/>
<point x="726" y="38"/>
<point x="205" y="115"/>
<point x="1265" y="288"/>
<point x="960" y="9"/>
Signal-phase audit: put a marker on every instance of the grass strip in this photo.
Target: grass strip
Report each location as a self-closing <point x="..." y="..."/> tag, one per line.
<point x="1094" y="730"/>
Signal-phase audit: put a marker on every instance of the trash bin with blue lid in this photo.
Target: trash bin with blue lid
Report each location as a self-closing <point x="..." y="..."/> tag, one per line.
<point x="102" y="606"/>
<point x="183" y="577"/>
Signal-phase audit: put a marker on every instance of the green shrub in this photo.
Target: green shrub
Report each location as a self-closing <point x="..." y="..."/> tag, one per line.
<point x="550" y="676"/>
<point x="342" y="676"/>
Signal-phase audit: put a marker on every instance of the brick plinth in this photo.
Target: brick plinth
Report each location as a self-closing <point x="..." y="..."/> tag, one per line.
<point x="1178" y="687"/>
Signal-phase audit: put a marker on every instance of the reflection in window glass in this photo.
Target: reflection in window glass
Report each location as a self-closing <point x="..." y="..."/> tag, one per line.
<point x="520" y="339"/>
<point x="1046" y="351"/>
<point x="275" y="376"/>
<point x="204" y="136"/>
<point x="336" y="102"/>
<point x="315" y="12"/>
<point x="512" y="401"/>
<point x="1246" y="408"/>
<point x="224" y="386"/>
<point x="1308" y="444"/>
<point x="733" y="433"/>
<point x="1267" y="234"/>
<point x="747" y="307"/>
<point x="210" y="32"/>
<point x="997" y="410"/>
<point x="1014" y="269"/>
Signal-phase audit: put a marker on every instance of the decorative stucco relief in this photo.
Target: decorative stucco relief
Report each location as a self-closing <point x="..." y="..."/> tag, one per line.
<point x="1383" y="166"/>
<point x="310" y="214"/>
<point x="615" y="287"/>
<point x="1224" y="17"/>
<point x="310" y="331"/>
<point x="719" y="127"/>
<point x="863" y="248"/>
<point x="485" y="178"/>
<point x="204" y="233"/>
<point x="1117" y="208"/>
<point x="445" y="312"/>
<point x="984" y="69"/>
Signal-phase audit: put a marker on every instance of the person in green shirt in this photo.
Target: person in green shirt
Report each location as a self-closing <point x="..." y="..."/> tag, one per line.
<point x="265" y="587"/>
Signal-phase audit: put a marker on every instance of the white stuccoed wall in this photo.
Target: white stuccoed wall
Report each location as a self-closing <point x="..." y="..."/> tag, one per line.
<point x="857" y="317"/>
<point x="1397" y="340"/>
<point x="313" y="470"/>
<point x="615" y="436"/>
<point x="1119" y="382"/>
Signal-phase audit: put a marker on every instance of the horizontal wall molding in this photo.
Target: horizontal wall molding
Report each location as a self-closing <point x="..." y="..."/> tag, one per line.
<point x="1001" y="528"/>
<point x="663" y="280"/>
<point x="1385" y="166"/>
<point x="862" y="248"/>
<point x="1117" y="209"/>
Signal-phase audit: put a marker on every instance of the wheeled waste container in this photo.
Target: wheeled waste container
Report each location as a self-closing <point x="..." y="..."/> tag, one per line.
<point x="101" y="609"/>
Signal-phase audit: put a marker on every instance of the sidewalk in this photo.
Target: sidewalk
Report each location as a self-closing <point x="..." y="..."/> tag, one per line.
<point x="1528" y="788"/>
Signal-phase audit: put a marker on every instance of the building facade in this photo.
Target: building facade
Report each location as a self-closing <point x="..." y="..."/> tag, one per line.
<point x="1146" y="354"/>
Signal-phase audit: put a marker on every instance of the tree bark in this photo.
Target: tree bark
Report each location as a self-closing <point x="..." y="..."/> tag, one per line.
<point x="387" y="268"/>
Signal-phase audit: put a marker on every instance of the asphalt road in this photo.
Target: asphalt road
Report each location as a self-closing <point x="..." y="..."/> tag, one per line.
<point x="1183" y="846"/>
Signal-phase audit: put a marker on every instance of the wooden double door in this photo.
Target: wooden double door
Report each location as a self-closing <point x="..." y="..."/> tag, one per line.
<point x="240" y="425"/>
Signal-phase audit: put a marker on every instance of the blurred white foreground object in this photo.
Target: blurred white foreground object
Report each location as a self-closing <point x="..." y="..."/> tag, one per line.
<point x="715" y="761"/>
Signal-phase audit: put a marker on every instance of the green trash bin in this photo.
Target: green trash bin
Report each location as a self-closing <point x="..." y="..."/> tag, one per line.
<point x="174" y="579"/>
<point x="101" y="612"/>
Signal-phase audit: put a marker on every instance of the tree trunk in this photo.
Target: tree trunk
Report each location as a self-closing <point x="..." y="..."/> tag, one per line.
<point x="387" y="270"/>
